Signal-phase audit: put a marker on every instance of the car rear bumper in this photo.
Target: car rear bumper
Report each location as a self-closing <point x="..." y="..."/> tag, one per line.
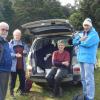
<point x="40" y="78"/>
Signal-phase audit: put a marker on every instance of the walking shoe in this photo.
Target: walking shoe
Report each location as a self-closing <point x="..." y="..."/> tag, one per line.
<point x="12" y="93"/>
<point x="23" y="93"/>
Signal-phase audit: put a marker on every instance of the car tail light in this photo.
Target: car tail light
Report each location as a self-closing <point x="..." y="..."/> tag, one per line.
<point x="76" y="69"/>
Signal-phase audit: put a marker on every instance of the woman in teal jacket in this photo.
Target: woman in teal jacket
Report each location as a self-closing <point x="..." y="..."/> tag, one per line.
<point x="87" y="42"/>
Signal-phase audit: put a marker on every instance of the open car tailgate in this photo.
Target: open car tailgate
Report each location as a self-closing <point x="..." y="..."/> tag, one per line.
<point x="51" y="26"/>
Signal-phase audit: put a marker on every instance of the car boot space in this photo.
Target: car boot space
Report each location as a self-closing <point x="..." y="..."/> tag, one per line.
<point x="45" y="48"/>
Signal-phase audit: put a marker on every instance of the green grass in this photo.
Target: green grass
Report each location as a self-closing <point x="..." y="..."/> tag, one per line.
<point x="98" y="56"/>
<point x="39" y="93"/>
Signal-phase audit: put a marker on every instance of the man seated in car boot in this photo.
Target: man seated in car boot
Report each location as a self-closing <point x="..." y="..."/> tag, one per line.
<point x="60" y="61"/>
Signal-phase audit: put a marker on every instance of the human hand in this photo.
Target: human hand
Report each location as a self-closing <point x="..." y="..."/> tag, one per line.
<point x="83" y="38"/>
<point x="24" y="51"/>
<point x="18" y="55"/>
<point x="47" y="56"/>
<point x="66" y="63"/>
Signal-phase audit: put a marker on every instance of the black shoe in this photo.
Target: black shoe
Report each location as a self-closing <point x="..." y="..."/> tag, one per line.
<point x="18" y="90"/>
<point x="12" y="93"/>
<point x="79" y="97"/>
<point x="23" y="93"/>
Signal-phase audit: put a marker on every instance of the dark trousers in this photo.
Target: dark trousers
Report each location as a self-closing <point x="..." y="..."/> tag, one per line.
<point x="21" y="74"/>
<point x="4" y="78"/>
<point x="54" y="78"/>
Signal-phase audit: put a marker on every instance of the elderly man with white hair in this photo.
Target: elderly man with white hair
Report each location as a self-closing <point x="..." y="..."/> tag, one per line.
<point x="87" y="42"/>
<point x="19" y="51"/>
<point x="5" y="60"/>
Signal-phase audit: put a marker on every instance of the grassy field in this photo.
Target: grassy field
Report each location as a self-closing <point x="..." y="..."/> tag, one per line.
<point x="39" y="93"/>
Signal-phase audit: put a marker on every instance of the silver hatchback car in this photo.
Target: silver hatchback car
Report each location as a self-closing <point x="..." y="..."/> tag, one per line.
<point x="46" y="33"/>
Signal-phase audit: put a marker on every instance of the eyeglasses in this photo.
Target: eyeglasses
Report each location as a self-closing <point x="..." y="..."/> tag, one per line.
<point x="86" y="25"/>
<point x="3" y="29"/>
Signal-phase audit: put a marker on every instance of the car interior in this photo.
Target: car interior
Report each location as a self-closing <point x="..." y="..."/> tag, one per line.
<point x="46" y="46"/>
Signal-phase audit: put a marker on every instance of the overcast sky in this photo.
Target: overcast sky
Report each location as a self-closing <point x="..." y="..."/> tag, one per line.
<point x="64" y="2"/>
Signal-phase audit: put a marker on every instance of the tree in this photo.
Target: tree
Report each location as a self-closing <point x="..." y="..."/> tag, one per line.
<point x="86" y="8"/>
<point x="91" y="9"/>
<point x="32" y="10"/>
<point x="7" y="13"/>
<point x="18" y="12"/>
<point x="76" y="20"/>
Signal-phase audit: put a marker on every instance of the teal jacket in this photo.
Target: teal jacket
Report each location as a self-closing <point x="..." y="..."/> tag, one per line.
<point x="87" y="49"/>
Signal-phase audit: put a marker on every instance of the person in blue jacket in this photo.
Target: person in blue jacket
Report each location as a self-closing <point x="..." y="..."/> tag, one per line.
<point x="5" y="60"/>
<point x="19" y="51"/>
<point x="87" y="42"/>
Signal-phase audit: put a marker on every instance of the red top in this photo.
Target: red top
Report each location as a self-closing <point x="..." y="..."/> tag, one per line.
<point x="19" y="64"/>
<point x="60" y="57"/>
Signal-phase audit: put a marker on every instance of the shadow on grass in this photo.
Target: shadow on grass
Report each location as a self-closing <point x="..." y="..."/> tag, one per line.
<point x="43" y="93"/>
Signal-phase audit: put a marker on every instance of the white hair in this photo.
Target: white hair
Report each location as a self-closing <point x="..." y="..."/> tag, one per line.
<point x="87" y="21"/>
<point x="60" y="41"/>
<point x="4" y="24"/>
<point x="17" y="31"/>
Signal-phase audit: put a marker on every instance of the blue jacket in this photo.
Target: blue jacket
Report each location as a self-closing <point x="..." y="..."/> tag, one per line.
<point x="87" y="49"/>
<point x="6" y="61"/>
<point x="13" y="43"/>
